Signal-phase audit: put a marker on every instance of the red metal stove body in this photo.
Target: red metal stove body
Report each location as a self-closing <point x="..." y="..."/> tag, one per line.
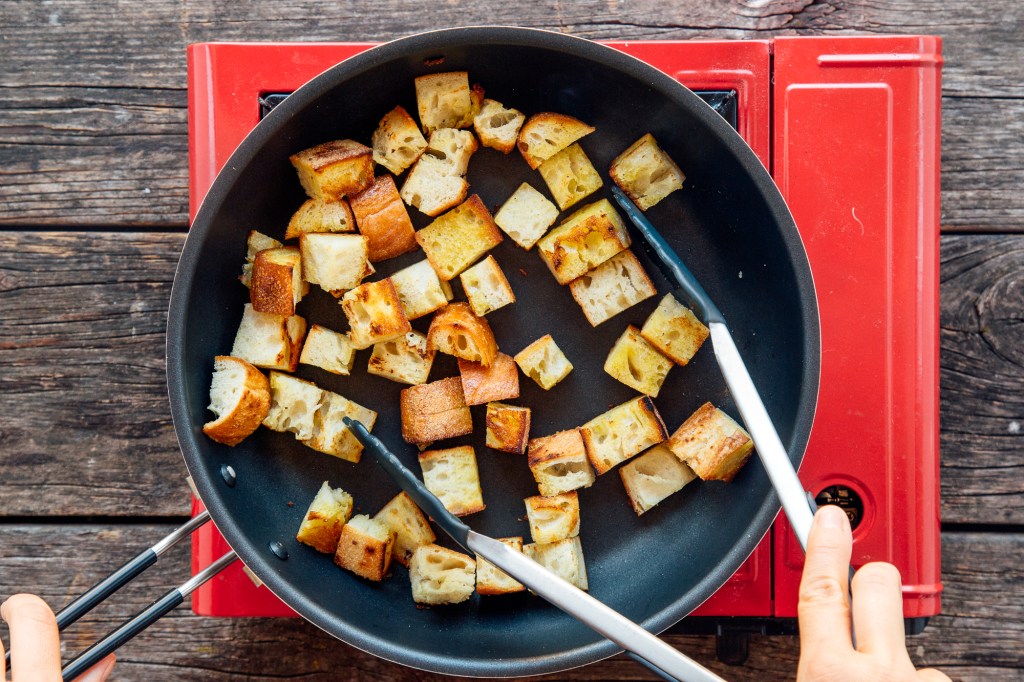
<point x="849" y="128"/>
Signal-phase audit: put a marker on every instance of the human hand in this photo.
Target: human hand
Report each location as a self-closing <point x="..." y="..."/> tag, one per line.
<point x="826" y="646"/>
<point x="35" y="643"/>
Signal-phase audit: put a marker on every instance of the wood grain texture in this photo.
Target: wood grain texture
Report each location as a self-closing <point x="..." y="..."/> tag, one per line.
<point x="93" y="120"/>
<point x="973" y="640"/>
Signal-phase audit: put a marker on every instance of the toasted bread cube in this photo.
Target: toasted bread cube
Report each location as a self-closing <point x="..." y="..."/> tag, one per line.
<point x="337" y="262"/>
<point x="441" y="576"/>
<point x="327" y="514"/>
<point x="381" y="217"/>
<point x="407" y="359"/>
<point x="646" y="173"/>
<point x="584" y="240"/>
<point x="434" y="411"/>
<point x="328" y="350"/>
<point x="570" y="176"/>
<point x="457" y="239"/>
<point x="613" y="286"/>
<point x="409" y="525"/>
<point x="444" y="100"/>
<point x="455" y="330"/>
<point x="482" y="384"/>
<point x="454" y="147"/>
<point x="452" y="476"/>
<point x="508" y="427"/>
<point x="526" y="216"/>
<point x="544" y="362"/>
<point x="564" y="558"/>
<point x="559" y="463"/>
<point x="653" y="476"/>
<point x="256" y="242"/>
<point x="397" y="141"/>
<point x="239" y="400"/>
<point x="268" y="340"/>
<point x="365" y="547"/>
<point x="637" y="363"/>
<point x="674" y="330"/>
<point x="498" y="126"/>
<point x="712" y="444"/>
<point x="623" y="431"/>
<point x="320" y="216"/>
<point x="277" y="283"/>
<point x="486" y="287"/>
<point x="330" y="434"/>
<point x="333" y="170"/>
<point x="374" y="314"/>
<point x="294" y="404"/>
<point x="419" y="290"/>
<point x="491" y="580"/>
<point x="553" y="518"/>
<point x="545" y="134"/>
<point x="437" y="182"/>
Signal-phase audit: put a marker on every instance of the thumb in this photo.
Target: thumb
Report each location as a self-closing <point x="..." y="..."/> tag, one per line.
<point x="100" y="671"/>
<point x="824" y="607"/>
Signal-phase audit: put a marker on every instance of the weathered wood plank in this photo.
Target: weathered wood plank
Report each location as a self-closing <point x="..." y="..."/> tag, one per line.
<point x="92" y="118"/>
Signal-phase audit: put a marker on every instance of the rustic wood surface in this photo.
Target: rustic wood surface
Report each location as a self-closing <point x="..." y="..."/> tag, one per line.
<point x="93" y="209"/>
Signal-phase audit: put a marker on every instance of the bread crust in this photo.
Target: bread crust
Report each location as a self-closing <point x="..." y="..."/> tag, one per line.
<point x="363" y="554"/>
<point x="482" y="384"/>
<point x="381" y="217"/>
<point x="508" y="428"/>
<point x="456" y="321"/>
<point x="332" y="170"/>
<point x="434" y="411"/>
<point x="272" y="288"/>
<point x="712" y="444"/>
<point x="249" y="411"/>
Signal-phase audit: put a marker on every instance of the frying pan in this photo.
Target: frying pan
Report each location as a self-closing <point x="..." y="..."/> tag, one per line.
<point x="729" y="223"/>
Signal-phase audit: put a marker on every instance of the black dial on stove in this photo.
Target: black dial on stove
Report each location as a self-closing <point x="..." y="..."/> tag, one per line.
<point x="846" y="499"/>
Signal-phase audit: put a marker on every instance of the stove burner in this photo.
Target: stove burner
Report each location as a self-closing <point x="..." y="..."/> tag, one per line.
<point x="846" y="499"/>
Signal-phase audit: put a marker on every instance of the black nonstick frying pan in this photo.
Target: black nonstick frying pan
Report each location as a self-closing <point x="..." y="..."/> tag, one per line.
<point x="729" y="223"/>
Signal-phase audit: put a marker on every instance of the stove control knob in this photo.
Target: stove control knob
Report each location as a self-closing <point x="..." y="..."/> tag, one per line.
<point x="846" y="499"/>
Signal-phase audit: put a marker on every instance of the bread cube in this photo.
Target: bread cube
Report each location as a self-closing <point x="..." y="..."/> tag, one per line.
<point x="330" y="434"/>
<point x="646" y="173"/>
<point x="544" y="362"/>
<point x="333" y="170"/>
<point x="294" y="403"/>
<point x="441" y="576"/>
<point x="486" y="287"/>
<point x="434" y="411"/>
<point x="559" y="463"/>
<point x="408" y="523"/>
<point x="622" y="432"/>
<point x="320" y="216"/>
<point x="328" y="350"/>
<point x="239" y="400"/>
<point x="381" y="217"/>
<point x="563" y="558"/>
<point x="374" y="314"/>
<point x="712" y="444"/>
<point x="653" y="476"/>
<point x="397" y="141"/>
<point x="545" y="134"/>
<point x="365" y="547"/>
<point x="455" y="240"/>
<point x="498" y="126"/>
<point x="407" y="359"/>
<point x="337" y="262"/>
<point x="674" y="330"/>
<point x="327" y="514"/>
<point x="491" y="580"/>
<point x="455" y="330"/>
<point x="277" y="284"/>
<point x="419" y="290"/>
<point x="482" y="384"/>
<point x="444" y="100"/>
<point x="526" y="216"/>
<point x="437" y="182"/>
<point x="570" y="176"/>
<point x="452" y="476"/>
<point x="584" y="240"/>
<point x="256" y="242"/>
<point x="508" y="427"/>
<point x="553" y="518"/>
<point x="637" y="363"/>
<point x="268" y="340"/>
<point x="613" y="286"/>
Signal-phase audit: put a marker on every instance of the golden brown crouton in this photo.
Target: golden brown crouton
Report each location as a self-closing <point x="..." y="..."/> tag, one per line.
<point x="584" y="240"/>
<point x="570" y="176"/>
<point x="239" y="399"/>
<point x="612" y="287"/>
<point x="409" y="524"/>
<point x="336" y="262"/>
<point x="455" y="240"/>
<point x="544" y="362"/>
<point x="452" y="476"/>
<point x="332" y="170"/>
<point x="712" y="444"/>
<point x="508" y="427"/>
<point x="553" y="518"/>
<point x="381" y="216"/>
<point x="482" y="384"/>
<point x="559" y="463"/>
<point x="498" y="126"/>
<point x="320" y="216"/>
<point x="268" y="340"/>
<point x="256" y="242"/>
<point x="486" y="287"/>
<point x="444" y="100"/>
<point x="622" y="432"/>
<point x="328" y="350"/>
<point x="407" y="359"/>
<point x="441" y="576"/>
<point x="545" y="134"/>
<point x="365" y="547"/>
<point x="277" y="285"/>
<point x="491" y="580"/>
<point x="564" y="558"/>
<point x="637" y="363"/>
<point x="434" y="411"/>
<point x="327" y="514"/>
<point x="526" y="216"/>
<point x="455" y="330"/>
<point x="646" y="173"/>
<point x="420" y="290"/>
<point x="397" y="141"/>
<point x="674" y="330"/>
<point x="374" y="314"/>
<point x="653" y="476"/>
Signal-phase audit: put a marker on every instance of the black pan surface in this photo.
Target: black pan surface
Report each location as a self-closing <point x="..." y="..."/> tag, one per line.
<point x="729" y="224"/>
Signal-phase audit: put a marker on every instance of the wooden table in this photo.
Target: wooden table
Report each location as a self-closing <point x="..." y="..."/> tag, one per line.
<point x="93" y="213"/>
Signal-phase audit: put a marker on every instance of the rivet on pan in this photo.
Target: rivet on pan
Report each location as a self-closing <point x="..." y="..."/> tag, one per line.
<point x="278" y="549"/>
<point x="227" y="472"/>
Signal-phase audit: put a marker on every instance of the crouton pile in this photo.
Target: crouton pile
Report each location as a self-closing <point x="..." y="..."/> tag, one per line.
<point x="355" y="219"/>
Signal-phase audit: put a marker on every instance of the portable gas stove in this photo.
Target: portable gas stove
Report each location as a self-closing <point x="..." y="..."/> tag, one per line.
<point x="849" y="128"/>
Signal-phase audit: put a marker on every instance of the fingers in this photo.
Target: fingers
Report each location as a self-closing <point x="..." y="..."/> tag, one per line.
<point x="878" y="611"/>
<point x="100" y="671"/>
<point x="824" y="609"/>
<point x="35" y="644"/>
